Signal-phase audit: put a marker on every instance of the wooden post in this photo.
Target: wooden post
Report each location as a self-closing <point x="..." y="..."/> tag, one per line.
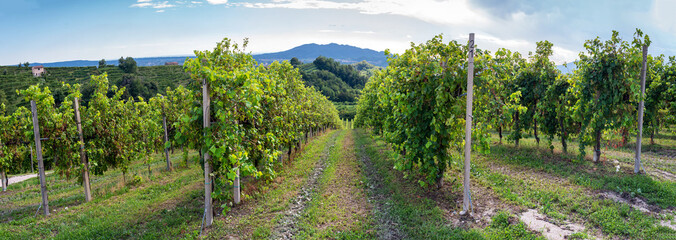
<point x="32" y="168"/>
<point x="3" y="175"/>
<point x="41" y="165"/>
<point x="236" y="188"/>
<point x="166" y="136"/>
<point x="637" y="163"/>
<point x="206" y="113"/>
<point x="466" y="199"/>
<point x="83" y="157"/>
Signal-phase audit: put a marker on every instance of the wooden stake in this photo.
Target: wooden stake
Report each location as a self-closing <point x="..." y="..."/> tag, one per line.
<point x="644" y="68"/>
<point x="166" y="136"/>
<point x="236" y="188"/>
<point x="3" y="175"/>
<point x="466" y="203"/>
<point x="41" y="165"/>
<point x="208" y="183"/>
<point x="32" y="168"/>
<point x="83" y="157"/>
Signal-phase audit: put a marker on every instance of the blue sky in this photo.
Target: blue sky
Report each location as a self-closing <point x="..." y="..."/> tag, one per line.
<point x="59" y="30"/>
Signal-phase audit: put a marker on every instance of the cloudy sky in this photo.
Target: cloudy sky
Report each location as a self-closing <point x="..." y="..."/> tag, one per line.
<point x="58" y="30"/>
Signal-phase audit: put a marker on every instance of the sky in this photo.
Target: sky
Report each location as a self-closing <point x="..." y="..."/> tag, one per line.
<point x="60" y="30"/>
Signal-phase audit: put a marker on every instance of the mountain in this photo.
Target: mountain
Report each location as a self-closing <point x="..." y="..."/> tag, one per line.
<point x="345" y="54"/>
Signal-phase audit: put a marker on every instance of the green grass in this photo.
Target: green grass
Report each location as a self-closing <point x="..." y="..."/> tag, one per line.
<point x="562" y="201"/>
<point x="164" y="205"/>
<point x="328" y="215"/>
<point x="604" y="177"/>
<point x="419" y="216"/>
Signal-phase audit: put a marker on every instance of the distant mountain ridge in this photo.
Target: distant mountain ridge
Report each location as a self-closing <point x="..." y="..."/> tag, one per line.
<point x="306" y="53"/>
<point x="344" y="54"/>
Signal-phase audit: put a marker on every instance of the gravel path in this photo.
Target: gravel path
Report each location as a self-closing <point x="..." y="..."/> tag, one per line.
<point x="17" y="179"/>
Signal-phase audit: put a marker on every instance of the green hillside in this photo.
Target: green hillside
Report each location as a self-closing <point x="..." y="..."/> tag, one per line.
<point x="147" y="81"/>
<point x="341" y="83"/>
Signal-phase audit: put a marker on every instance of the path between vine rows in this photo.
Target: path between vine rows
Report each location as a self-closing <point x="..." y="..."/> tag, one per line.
<point x="288" y="225"/>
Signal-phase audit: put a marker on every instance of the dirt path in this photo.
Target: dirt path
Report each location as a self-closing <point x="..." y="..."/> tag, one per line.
<point x="17" y="179"/>
<point x="287" y="226"/>
<point x="386" y="224"/>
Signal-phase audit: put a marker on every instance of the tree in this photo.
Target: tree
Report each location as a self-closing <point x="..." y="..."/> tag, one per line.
<point x="26" y="64"/>
<point x="102" y="63"/>
<point x="128" y="65"/>
<point x="295" y="62"/>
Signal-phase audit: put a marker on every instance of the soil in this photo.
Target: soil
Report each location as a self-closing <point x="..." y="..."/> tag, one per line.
<point x="537" y="222"/>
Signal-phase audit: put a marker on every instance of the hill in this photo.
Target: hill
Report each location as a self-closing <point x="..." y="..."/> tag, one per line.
<point x="345" y="54"/>
<point x="147" y="82"/>
<point x="341" y="83"/>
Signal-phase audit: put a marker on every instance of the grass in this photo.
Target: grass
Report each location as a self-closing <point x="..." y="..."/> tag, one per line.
<point x="420" y="217"/>
<point x="564" y="190"/>
<point x="338" y="209"/>
<point x="164" y="205"/>
<point x="599" y="176"/>
<point x="346" y="202"/>
<point x="256" y="218"/>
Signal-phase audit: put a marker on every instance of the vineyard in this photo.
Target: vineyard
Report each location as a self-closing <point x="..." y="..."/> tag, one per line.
<point x="449" y="142"/>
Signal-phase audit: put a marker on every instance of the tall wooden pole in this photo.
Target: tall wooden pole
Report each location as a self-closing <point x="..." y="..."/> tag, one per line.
<point x="466" y="199"/>
<point x="41" y="165"/>
<point x="3" y="174"/>
<point x="83" y="157"/>
<point x="166" y="136"/>
<point x="206" y="116"/>
<point x="236" y="188"/>
<point x="644" y="68"/>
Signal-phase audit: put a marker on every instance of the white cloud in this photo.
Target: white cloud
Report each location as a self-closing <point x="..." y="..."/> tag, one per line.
<point x="160" y="11"/>
<point x="327" y="31"/>
<point x="216" y="2"/>
<point x="141" y="5"/>
<point x="439" y="12"/>
<point x="663" y="15"/>
<point x="149" y="3"/>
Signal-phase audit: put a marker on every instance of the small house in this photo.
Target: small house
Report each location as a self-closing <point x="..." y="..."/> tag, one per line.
<point x="38" y="70"/>
<point x="171" y="64"/>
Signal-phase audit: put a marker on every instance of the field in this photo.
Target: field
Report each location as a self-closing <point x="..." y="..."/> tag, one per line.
<point x="342" y="186"/>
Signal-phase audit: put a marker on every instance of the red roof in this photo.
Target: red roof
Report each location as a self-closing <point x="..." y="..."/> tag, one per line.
<point x="39" y="66"/>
